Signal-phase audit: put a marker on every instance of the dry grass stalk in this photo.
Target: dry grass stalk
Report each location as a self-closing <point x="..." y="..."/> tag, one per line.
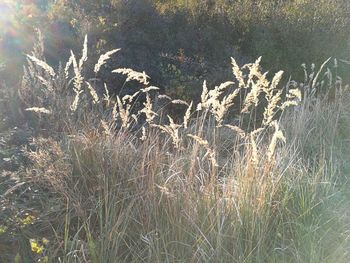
<point x="103" y="59"/>
<point x="75" y="103"/>
<point x="115" y="111"/>
<point x="294" y="94"/>
<point x="257" y="82"/>
<point x="39" y="110"/>
<point x="293" y="98"/>
<point x="148" y="89"/>
<point x="271" y="108"/>
<point x="252" y="97"/>
<point x="220" y="108"/>
<point x="93" y="93"/>
<point x="148" y="110"/>
<point x="124" y="113"/>
<point x="254" y="151"/>
<point x="211" y="153"/>
<point x="181" y="102"/>
<point x="187" y="115"/>
<point x="78" y="78"/>
<point x="130" y="98"/>
<point x="278" y="135"/>
<point x="106" y="96"/>
<point x="238" y="73"/>
<point x="43" y="65"/>
<point x="210" y="100"/>
<point x="163" y="96"/>
<point x="68" y="65"/>
<point x="171" y="129"/>
<point x="144" y="134"/>
<point x="84" y="56"/>
<point x="204" y="97"/>
<point x="141" y="77"/>
<point x="237" y="129"/>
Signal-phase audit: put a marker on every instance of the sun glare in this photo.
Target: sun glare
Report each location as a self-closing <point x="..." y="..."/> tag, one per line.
<point x="7" y="11"/>
<point x="16" y="16"/>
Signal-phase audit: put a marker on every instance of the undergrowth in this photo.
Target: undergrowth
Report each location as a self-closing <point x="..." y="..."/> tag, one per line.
<point x="251" y="172"/>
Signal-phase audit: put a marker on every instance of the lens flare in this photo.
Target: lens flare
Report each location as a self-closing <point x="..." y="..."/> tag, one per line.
<point x="17" y="18"/>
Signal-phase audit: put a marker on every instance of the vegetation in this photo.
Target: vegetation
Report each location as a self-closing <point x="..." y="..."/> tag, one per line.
<point x="182" y="43"/>
<point x="103" y="162"/>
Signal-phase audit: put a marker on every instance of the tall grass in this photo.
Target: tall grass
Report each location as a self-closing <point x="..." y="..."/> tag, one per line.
<point x="244" y="175"/>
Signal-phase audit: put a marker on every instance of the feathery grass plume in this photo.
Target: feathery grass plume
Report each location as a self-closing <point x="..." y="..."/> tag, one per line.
<point x="293" y="98"/>
<point x="148" y="89"/>
<point x="78" y="78"/>
<point x="147" y="109"/>
<point x="288" y="104"/>
<point x="237" y="129"/>
<point x="75" y="102"/>
<point x="294" y="94"/>
<point x="252" y="98"/>
<point x="211" y="153"/>
<point x="257" y="131"/>
<point x="272" y="107"/>
<point x="223" y="86"/>
<point x="213" y="97"/>
<point x="204" y="97"/>
<point x="43" y="65"/>
<point x="254" y="70"/>
<point x="258" y="83"/>
<point x="124" y="113"/>
<point x="210" y="100"/>
<point x="187" y="115"/>
<point x="93" y="93"/>
<point x="171" y="129"/>
<point x="238" y="73"/>
<point x="181" y="102"/>
<point x="39" y="110"/>
<point x="68" y="65"/>
<point x="141" y="77"/>
<point x="278" y="135"/>
<point x="163" y="96"/>
<point x="84" y="56"/>
<point x="103" y="59"/>
<point x="220" y="108"/>
<point x="215" y="93"/>
<point x="106" y="96"/>
<point x="144" y="134"/>
<point x="210" y="97"/>
<point x="115" y="111"/>
<point x="274" y="83"/>
<point x="129" y="98"/>
<point x="257" y="88"/>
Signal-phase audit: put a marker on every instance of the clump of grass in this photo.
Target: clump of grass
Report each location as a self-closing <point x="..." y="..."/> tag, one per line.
<point x="175" y="194"/>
